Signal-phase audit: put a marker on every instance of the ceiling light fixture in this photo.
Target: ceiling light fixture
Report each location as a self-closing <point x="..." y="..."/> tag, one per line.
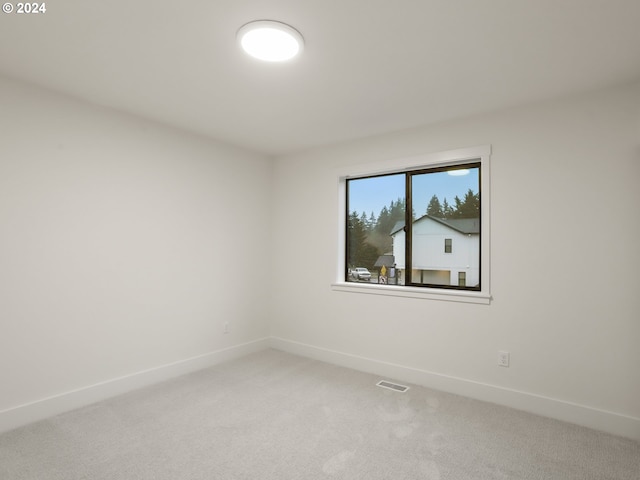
<point x="270" y="41"/>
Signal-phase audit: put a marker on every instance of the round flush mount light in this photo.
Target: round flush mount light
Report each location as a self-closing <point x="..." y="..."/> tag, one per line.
<point x="270" y="41"/>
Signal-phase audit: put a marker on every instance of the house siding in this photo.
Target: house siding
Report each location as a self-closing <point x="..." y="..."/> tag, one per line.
<point x="429" y="253"/>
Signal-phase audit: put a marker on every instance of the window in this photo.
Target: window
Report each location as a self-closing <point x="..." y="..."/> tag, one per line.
<point x="399" y="225"/>
<point x="426" y="208"/>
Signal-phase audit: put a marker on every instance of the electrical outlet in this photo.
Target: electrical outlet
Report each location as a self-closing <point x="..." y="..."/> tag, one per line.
<point x="503" y="358"/>
<point x="226" y="327"/>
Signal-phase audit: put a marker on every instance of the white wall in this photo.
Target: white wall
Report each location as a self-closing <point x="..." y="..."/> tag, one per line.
<point x="564" y="265"/>
<point x="125" y="245"/>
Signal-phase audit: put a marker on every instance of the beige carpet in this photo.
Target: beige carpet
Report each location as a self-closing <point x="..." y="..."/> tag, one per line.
<point x="273" y="415"/>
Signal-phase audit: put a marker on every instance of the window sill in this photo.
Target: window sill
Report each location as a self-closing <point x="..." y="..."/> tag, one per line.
<point x="413" y="292"/>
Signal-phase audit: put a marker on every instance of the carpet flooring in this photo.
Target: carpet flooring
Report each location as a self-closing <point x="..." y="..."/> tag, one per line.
<point x="272" y="415"/>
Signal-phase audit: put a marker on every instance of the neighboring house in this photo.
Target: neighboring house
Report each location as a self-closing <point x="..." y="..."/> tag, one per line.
<point x="445" y="252"/>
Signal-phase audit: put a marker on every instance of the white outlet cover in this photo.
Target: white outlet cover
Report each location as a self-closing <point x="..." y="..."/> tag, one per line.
<point x="503" y="358"/>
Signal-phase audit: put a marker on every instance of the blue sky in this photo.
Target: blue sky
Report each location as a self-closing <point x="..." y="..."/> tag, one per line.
<point x="372" y="194"/>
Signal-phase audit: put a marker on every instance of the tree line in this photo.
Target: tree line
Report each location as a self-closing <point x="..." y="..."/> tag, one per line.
<point x="468" y="207"/>
<point x="369" y="236"/>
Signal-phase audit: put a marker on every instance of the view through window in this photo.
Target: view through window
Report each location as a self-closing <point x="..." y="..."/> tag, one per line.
<point x="418" y="228"/>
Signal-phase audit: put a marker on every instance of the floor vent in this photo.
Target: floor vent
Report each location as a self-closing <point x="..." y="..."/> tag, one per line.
<point x="392" y="386"/>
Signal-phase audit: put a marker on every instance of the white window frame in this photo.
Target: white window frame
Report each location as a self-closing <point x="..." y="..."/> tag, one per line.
<point x="481" y="154"/>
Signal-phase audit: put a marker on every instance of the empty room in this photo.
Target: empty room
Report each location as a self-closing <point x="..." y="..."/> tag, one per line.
<point x="320" y="240"/>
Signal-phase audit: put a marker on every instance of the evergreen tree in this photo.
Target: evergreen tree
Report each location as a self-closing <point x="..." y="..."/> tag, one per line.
<point x="469" y="207"/>
<point x="360" y="253"/>
<point x="382" y="224"/>
<point x="364" y="222"/>
<point x="397" y="209"/>
<point x="434" y="208"/>
<point x="371" y="224"/>
<point x="456" y="207"/>
<point x="390" y="216"/>
<point x="447" y="210"/>
<point x="355" y="238"/>
<point x="379" y="236"/>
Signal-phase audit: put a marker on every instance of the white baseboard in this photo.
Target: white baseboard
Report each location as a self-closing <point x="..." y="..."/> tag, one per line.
<point x="47" y="407"/>
<point x="610" y="422"/>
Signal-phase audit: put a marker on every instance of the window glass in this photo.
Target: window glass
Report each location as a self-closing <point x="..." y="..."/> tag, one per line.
<point x="446" y="210"/>
<point x="397" y="225"/>
<point x="375" y="205"/>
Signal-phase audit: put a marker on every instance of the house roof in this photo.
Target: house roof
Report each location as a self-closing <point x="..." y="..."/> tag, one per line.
<point x="462" y="225"/>
<point x="397" y="227"/>
<point x="387" y="260"/>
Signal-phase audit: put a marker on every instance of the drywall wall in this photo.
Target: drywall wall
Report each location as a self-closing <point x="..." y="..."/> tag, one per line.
<point x="125" y="247"/>
<point x="564" y="264"/>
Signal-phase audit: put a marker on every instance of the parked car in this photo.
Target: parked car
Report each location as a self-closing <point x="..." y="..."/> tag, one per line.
<point x="361" y="273"/>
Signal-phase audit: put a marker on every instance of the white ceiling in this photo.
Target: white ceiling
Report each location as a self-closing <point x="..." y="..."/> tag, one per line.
<point x="369" y="66"/>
